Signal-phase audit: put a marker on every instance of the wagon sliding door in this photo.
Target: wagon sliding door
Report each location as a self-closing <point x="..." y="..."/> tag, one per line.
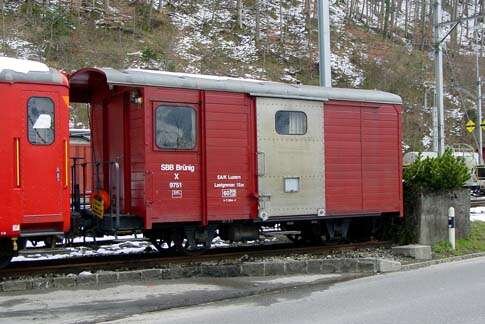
<point x="290" y="157"/>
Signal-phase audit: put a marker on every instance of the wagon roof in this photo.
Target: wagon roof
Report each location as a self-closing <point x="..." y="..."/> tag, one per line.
<point x="18" y="70"/>
<point x="138" y="77"/>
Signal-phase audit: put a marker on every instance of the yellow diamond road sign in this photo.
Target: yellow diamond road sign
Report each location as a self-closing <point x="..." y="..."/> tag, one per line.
<point x="470" y="126"/>
<point x="482" y="124"/>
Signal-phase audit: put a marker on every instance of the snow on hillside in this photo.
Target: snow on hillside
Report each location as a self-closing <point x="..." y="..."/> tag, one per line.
<point x="22" y="49"/>
<point x="192" y="20"/>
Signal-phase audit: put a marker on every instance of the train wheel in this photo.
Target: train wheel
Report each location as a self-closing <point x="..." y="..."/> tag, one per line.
<point x="193" y="249"/>
<point x="295" y="238"/>
<point x="50" y="242"/>
<point x="158" y="244"/>
<point x="190" y="248"/>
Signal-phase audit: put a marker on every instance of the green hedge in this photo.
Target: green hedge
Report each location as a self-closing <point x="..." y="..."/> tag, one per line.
<point x="444" y="172"/>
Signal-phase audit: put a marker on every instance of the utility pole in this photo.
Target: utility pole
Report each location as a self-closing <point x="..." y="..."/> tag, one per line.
<point x="438" y="40"/>
<point x="434" y="119"/>
<point x="479" y="115"/>
<point x="478" y="53"/>
<point x="324" y="43"/>
<point x="438" y="58"/>
<point x="435" y="124"/>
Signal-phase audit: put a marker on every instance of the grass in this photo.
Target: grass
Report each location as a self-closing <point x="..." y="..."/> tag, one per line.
<point x="475" y="242"/>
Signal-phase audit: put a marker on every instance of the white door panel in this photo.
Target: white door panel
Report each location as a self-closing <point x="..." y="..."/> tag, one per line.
<point x="298" y="158"/>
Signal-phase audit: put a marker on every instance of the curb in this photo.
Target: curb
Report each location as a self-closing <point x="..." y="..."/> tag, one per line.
<point x="424" y="264"/>
<point x="365" y="266"/>
<point x="103" y="279"/>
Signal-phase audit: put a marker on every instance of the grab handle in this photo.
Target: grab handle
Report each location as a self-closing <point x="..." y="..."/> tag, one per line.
<point x="261" y="164"/>
<point x="17" y="161"/>
<point x="66" y="164"/>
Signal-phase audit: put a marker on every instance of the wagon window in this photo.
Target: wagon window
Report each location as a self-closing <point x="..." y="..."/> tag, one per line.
<point x="40" y="120"/>
<point x="291" y="122"/>
<point x="175" y="127"/>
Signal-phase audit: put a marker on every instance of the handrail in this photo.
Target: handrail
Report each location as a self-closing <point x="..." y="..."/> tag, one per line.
<point x="17" y="162"/>
<point x="66" y="164"/>
<point x="118" y="192"/>
<point x="117" y="182"/>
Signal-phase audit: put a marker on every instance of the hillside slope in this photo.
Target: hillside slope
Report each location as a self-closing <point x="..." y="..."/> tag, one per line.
<point x="375" y="44"/>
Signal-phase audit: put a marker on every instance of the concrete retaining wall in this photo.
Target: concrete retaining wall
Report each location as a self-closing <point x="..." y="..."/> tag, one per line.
<point x="428" y="213"/>
<point x="253" y="269"/>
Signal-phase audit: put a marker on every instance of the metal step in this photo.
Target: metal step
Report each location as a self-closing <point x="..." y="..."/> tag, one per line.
<point x="40" y="233"/>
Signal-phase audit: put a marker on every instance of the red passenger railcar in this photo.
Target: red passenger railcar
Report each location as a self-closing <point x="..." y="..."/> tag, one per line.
<point x="34" y="178"/>
<point x="183" y="156"/>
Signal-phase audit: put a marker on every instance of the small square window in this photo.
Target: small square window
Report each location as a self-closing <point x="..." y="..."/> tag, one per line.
<point x="292" y="184"/>
<point x="175" y="127"/>
<point x="291" y="122"/>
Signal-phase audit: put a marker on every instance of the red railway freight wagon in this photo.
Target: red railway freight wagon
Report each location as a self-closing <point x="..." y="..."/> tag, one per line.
<point x="81" y="162"/>
<point x="34" y="179"/>
<point x="183" y="157"/>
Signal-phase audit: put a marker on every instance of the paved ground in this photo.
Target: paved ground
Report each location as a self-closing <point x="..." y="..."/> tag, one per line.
<point x="446" y="293"/>
<point x="96" y="305"/>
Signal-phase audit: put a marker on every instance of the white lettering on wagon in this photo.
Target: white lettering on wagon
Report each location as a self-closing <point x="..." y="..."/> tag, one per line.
<point x="229" y="185"/>
<point x="177" y="167"/>
<point x="175" y="185"/>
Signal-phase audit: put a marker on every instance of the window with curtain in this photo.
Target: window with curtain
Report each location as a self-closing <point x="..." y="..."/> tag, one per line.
<point x="291" y="122"/>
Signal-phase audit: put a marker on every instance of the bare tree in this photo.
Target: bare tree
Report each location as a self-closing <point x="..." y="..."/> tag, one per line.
<point x="239" y="10"/>
<point x="257" y="7"/>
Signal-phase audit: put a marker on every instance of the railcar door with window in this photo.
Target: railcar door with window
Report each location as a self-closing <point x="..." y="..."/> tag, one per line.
<point x="43" y="162"/>
<point x="290" y="157"/>
<point x="175" y="163"/>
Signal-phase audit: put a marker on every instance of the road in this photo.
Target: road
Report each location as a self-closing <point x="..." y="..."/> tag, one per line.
<point x="446" y="293"/>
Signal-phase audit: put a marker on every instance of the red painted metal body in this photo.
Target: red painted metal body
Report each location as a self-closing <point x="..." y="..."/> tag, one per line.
<point x="363" y="158"/>
<point x="34" y="179"/>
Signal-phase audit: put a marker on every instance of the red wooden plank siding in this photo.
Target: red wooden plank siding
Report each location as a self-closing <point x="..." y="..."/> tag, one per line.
<point x="137" y="158"/>
<point x="161" y="207"/>
<point x="380" y="159"/>
<point x="83" y="151"/>
<point x="229" y="152"/>
<point x="343" y="165"/>
<point x="362" y="159"/>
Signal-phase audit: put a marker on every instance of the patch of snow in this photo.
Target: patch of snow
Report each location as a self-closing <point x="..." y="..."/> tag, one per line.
<point x="477" y="214"/>
<point x="343" y="65"/>
<point x="130" y="247"/>
<point x="21" y="48"/>
<point x="21" y="66"/>
<point x="426" y="141"/>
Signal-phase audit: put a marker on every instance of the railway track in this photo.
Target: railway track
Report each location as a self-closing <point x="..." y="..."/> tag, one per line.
<point x="152" y="260"/>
